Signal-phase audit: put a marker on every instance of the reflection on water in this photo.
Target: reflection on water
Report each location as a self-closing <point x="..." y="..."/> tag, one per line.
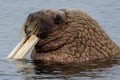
<point x="34" y="70"/>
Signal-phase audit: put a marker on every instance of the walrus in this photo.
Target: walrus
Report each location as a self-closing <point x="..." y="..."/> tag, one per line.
<point x="69" y="35"/>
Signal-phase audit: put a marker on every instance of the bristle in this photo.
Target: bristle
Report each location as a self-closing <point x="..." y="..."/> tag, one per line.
<point x="22" y="28"/>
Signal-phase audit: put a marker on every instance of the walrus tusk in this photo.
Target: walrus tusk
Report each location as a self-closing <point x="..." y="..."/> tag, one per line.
<point x="14" y="51"/>
<point x="26" y="47"/>
<point x="23" y="47"/>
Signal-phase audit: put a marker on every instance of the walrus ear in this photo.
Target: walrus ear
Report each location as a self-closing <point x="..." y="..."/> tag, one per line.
<point x="58" y="19"/>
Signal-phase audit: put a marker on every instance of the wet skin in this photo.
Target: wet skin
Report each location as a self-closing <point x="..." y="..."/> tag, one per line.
<point x="69" y="35"/>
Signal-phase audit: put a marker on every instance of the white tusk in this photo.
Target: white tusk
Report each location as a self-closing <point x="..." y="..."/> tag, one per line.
<point x="14" y="51"/>
<point x="23" y="47"/>
<point x="31" y="42"/>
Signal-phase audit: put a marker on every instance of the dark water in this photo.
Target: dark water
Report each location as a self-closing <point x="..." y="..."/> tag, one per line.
<point x="12" y="15"/>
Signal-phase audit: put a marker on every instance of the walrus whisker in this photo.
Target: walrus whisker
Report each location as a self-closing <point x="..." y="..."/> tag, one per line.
<point x="22" y="28"/>
<point x="31" y="33"/>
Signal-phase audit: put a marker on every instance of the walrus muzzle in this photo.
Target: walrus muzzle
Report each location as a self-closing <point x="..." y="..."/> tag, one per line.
<point x="41" y="24"/>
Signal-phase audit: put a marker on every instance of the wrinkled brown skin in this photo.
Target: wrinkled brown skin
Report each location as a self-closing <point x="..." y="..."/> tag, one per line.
<point x="78" y="38"/>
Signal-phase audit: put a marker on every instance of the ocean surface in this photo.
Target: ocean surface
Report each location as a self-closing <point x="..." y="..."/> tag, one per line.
<point x="13" y="14"/>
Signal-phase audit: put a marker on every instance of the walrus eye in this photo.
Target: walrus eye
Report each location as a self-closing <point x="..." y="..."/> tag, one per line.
<point x="58" y="19"/>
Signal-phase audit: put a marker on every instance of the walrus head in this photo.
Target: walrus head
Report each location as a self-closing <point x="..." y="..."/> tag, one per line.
<point x="44" y="22"/>
<point x="51" y="28"/>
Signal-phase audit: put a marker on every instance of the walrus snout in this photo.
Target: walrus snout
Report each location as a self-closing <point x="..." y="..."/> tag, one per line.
<point x="42" y="23"/>
<point x="31" y="23"/>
